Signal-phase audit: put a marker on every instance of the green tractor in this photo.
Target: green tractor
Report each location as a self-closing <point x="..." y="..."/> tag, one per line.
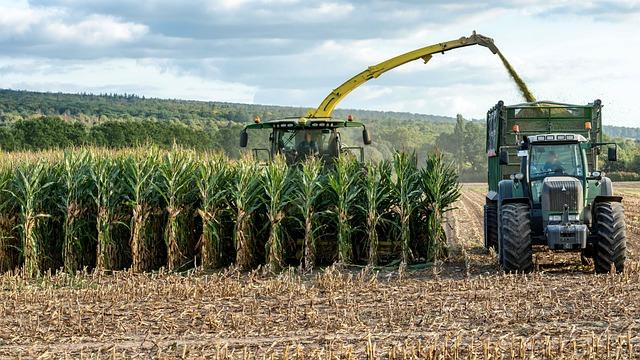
<point x="553" y="194"/>
<point x="297" y="138"/>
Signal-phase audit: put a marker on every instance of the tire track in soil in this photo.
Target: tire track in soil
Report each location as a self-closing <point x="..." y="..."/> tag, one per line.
<point x="468" y="235"/>
<point x="474" y="214"/>
<point x="477" y="194"/>
<point x="458" y="220"/>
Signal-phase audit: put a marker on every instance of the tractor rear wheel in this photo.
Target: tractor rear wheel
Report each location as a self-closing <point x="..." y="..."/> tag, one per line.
<point x="611" y="244"/>
<point x="515" y="238"/>
<point x="491" y="227"/>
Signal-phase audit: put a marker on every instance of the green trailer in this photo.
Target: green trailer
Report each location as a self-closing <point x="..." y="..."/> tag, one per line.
<point x="544" y="186"/>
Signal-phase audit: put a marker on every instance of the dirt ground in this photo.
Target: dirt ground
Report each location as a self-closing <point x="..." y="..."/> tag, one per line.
<point x="464" y="308"/>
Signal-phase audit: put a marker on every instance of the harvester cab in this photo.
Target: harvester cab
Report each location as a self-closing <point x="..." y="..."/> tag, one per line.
<point x="554" y="194"/>
<point x="298" y="138"/>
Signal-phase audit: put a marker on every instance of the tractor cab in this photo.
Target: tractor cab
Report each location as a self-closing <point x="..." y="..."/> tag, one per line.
<point x="298" y="138"/>
<point x="549" y="156"/>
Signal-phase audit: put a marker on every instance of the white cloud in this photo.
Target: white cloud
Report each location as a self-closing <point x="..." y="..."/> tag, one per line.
<point x="18" y="18"/>
<point x="291" y="12"/>
<point x="95" y="30"/>
<point x="57" y="25"/>
<point x="235" y="5"/>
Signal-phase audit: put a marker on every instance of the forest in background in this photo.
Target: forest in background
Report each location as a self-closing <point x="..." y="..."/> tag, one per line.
<point x="36" y="121"/>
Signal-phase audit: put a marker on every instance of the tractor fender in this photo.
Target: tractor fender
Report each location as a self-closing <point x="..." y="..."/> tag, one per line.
<point x="505" y="194"/>
<point x="492" y="197"/>
<point x="505" y="190"/>
<point x="605" y="198"/>
<point x="606" y="188"/>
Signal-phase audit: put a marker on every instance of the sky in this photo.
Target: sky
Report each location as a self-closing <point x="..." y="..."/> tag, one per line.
<point x="294" y="52"/>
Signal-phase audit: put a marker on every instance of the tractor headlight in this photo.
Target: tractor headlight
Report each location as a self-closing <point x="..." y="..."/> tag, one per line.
<point x="558" y="218"/>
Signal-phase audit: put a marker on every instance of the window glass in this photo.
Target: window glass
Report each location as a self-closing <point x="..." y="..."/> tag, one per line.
<point x="553" y="160"/>
<point x="546" y="160"/>
<point x="292" y="139"/>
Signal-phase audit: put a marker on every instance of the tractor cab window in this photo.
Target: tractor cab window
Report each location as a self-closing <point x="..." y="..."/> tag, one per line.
<point x="556" y="160"/>
<point x="553" y="160"/>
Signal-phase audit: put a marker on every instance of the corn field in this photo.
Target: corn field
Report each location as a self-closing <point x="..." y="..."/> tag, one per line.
<point x="144" y="209"/>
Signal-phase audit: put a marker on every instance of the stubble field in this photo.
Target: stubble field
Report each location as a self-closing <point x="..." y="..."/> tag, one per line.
<point x="463" y="308"/>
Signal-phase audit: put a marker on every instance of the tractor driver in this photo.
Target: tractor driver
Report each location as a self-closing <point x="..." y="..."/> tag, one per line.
<point x="307" y="147"/>
<point x="553" y="164"/>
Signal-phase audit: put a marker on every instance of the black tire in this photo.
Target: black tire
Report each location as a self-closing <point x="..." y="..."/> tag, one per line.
<point x="611" y="243"/>
<point x="515" y="237"/>
<point x="491" y="227"/>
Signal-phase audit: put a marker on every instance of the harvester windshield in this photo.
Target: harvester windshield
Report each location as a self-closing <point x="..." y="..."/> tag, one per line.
<point x="296" y="144"/>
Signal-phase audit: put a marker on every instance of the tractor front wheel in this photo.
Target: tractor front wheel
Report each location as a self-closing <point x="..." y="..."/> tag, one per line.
<point x="515" y="238"/>
<point x="611" y="244"/>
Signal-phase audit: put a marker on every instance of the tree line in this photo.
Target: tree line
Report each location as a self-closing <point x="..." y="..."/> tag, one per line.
<point x="50" y="132"/>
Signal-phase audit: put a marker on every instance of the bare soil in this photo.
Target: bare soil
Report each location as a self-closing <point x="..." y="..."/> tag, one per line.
<point x="460" y="309"/>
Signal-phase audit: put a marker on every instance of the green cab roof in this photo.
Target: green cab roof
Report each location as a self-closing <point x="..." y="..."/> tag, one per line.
<point x="304" y="123"/>
<point x="557" y="137"/>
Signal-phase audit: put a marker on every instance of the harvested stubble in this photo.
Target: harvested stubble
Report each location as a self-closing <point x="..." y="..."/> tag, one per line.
<point x="326" y="315"/>
<point x="146" y="208"/>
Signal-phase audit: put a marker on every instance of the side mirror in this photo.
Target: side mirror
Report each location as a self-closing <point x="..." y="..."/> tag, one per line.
<point x="244" y="138"/>
<point x="612" y="153"/>
<point x="366" y="137"/>
<point x="504" y="157"/>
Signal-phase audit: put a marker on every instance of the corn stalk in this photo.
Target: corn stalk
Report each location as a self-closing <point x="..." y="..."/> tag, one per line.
<point x="105" y="174"/>
<point x="277" y="188"/>
<point x="246" y="193"/>
<point x="377" y="189"/>
<point x="75" y="190"/>
<point x="29" y="192"/>
<point x="213" y="182"/>
<point x="308" y="189"/>
<point x="407" y="193"/>
<point x="439" y="183"/>
<point x="343" y="181"/>
<point x="177" y="189"/>
<point x="140" y="174"/>
<point x="8" y="239"/>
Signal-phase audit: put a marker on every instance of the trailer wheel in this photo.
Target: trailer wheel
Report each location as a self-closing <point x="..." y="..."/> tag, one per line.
<point x="611" y="244"/>
<point x="515" y="237"/>
<point x="491" y="227"/>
